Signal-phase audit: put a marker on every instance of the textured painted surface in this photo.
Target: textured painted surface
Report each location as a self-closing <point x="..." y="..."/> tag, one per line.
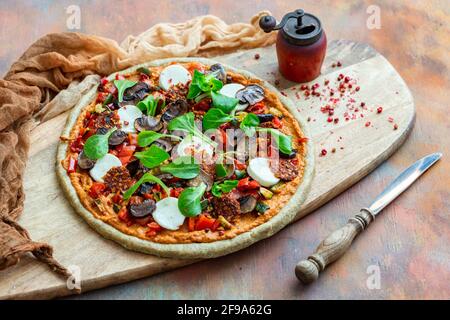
<point x="409" y="242"/>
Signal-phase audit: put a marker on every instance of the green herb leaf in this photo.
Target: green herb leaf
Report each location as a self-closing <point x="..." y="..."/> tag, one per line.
<point x="214" y="118"/>
<point x="182" y="167"/>
<point x="144" y="70"/>
<point x="121" y="86"/>
<point x="147" y="177"/>
<point x="109" y="98"/>
<point x="203" y="83"/>
<point x="249" y="123"/>
<point x="96" y="146"/>
<point x="189" y="201"/>
<point x="184" y="123"/>
<point x="147" y="137"/>
<point x="224" y="103"/>
<point x="152" y="157"/>
<point x="284" y="142"/>
<point x="224" y="187"/>
<point x="149" y="105"/>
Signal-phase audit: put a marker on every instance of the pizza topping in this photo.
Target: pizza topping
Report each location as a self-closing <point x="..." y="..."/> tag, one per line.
<point x="117" y="137"/>
<point x="84" y="162"/>
<point x="128" y="115"/>
<point x="285" y="169"/>
<point x="251" y="94"/>
<point x="137" y="92"/>
<point x="220" y="72"/>
<point x="175" y="109"/>
<point x="103" y="165"/>
<point x="247" y="203"/>
<point x="167" y="214"/>
<point x="118" y="179"/>
<point x="259" y="169"/>
<point x="230" y="90"/>
<point x="142" y="210"/>
<point x="173" y="75"/>
<point x="148" y="123"/>
<point x="227" y="205"/>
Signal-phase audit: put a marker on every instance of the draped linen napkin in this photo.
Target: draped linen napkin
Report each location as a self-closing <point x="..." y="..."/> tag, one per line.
<point x="52" y="75"/>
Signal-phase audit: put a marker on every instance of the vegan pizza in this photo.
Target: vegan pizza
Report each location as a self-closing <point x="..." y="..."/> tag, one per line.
<point x="185" y="158"/>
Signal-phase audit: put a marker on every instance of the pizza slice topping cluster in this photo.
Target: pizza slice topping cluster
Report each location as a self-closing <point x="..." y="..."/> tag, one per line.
<point x="184" y="147"/>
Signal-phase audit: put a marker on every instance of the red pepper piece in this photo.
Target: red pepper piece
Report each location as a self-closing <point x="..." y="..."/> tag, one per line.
<point x="204" y="222"/>
<point x="246" y="185"/>
<point x="72" y="165"/>
<point x="96" y="189"/>
<point x="257" y="108"/>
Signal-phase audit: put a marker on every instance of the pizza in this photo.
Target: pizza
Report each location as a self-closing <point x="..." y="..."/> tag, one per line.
<point x="185" y="158"/>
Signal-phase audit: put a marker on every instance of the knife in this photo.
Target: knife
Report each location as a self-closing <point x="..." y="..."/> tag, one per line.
<point x="337" y="243"/>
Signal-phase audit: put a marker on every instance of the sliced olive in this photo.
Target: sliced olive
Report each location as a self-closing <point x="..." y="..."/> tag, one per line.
<point x="148" y="123"/>
<point x="250" y="94"/>
<point x="288" y="156"/>
<point x="163" y="144"/>
<point x="136" y="92"/>
<point x="146" y="187"/>
<point x="220" y="71"/>
<point x="84" y="162"/>
<point x="248" y="203"/>
<point x="117" y="137"/>
<point x="143" y="209"/>
<point x="102" y="131"/>
<point x="175" y="109"/>
<point x="136" y="169"/>
<point x="266" y="117"/>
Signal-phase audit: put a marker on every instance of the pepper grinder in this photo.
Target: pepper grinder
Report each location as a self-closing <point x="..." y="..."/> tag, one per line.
<point x="301" y="44"/>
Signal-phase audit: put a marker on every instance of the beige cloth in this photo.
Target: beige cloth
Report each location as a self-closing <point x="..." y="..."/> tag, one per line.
<point x="69" y="64"/>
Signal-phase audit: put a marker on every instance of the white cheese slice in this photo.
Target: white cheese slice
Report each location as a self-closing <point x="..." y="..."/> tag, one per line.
<point x="192" y="143"/>
<point x="230" y="90"/>
<point x="128" y="114"/>
<point x="173" y="75"/>
<point x="167" y="214"/>
<point x="259" y="169"/>
<point x="103" y="165"/>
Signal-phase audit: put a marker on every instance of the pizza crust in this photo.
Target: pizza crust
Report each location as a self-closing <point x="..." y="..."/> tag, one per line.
<point x="189" y="250"/>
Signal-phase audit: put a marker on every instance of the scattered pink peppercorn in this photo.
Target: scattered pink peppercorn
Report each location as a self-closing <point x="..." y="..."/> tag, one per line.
<point x="395" y="126"/>
<point x="357" y="88"/>
<point x="379" y="109"/>
<point x="339" y="64"/>
<point x="323" y="152"/>
<point x="330" y="119"/>
<point x="367" y="123"/>
<point x="257" y="56"/>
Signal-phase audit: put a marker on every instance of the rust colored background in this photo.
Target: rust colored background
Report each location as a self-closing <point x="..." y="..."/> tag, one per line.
<point x="409" y="242"/>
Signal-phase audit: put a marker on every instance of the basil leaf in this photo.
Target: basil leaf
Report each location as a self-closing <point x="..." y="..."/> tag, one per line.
<point x="249" y="123"/>
<point x="203" y="83"/>
<point x="284" y="142"/>
<point x="147" y="137"/>
<point x="152" y="157"/>
<point x="182" y="167"/>
<point x="149" y="105"/>
<point x="214" y="118"/>
<point x="224" y="187"/>
<point x="189" y="201"/>
<point x="123" y="85"/>
<point x="96" y="146"/>
<point x="184" y="123"/>
<point x="147" y="177"/>
<point x="224" y="103"/>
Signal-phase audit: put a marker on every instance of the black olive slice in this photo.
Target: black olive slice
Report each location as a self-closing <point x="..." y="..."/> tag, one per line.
<point x="143" y="209"/>
<point x="84" y="162"/>
<point x="250" y="94"/>
<point x="146" y="187"/>
<point x="117" y="137"/>
<point x="265" y="117"/>
<point x="148" y="123"/>
<point x="248" y="203"/>
<point x="202" y="177"/>
<point x="175" y="109"/>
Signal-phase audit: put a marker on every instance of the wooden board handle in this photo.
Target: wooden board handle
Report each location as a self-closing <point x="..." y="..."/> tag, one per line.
<point x="332" y="248"/>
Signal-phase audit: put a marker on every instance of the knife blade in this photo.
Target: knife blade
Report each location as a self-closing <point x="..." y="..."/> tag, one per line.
<point x="338" y="242"/>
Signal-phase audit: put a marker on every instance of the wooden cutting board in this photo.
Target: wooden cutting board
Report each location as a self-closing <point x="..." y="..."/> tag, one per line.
<point x="361" y="144"/>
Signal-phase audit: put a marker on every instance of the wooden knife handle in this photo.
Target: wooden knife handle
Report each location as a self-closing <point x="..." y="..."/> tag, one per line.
<point x="333" y="247"/>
